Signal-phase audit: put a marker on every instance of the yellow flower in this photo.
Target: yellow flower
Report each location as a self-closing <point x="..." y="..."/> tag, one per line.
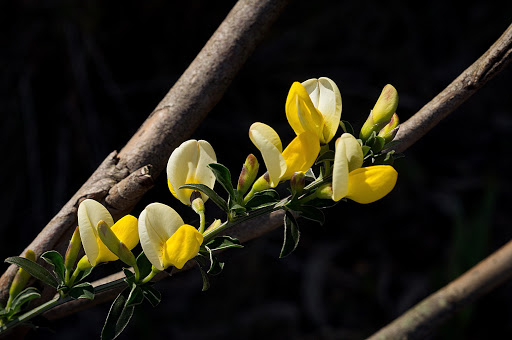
<point x="90" y="213"/>
<point x="299" y="155"/>
<point x="315" y="106"/>
<point x="188" y="165"/>
<point x="165" y="238"/>
<point x="362" y="185"/>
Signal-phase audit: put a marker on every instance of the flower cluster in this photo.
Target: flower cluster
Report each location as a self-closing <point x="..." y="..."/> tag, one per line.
<point x="317" y="173"/>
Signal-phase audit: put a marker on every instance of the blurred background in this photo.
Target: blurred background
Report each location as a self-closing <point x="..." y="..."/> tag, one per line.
<point x="78" y="78"/>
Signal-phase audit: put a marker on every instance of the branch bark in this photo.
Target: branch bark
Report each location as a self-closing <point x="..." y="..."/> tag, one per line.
<point x="122" y="179"/>
<point x="493" y="61"/>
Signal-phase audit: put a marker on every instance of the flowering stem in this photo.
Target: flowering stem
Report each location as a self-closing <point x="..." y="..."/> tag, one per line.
<point x="151" y="275"/>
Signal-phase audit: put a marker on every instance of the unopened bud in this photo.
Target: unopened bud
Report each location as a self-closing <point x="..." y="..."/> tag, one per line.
<point x="248" y="174"/>
<point x="297" y="182"/>
<point x="262" y="183"/>
<point x="22" y="276"/>
<point x="198" y="205"/>
<point x="324" y="192"/>
<point x="382" y="112"/>
<point x="386" y="105"/>
<point x="83" y="264"/>
<point x="214" y="225"/>
<point x="389" y="131"/>
<point x="117" y="247"/>
<point x="72" y="251"/>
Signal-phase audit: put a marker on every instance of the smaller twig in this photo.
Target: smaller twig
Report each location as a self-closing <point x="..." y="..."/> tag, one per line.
<point x="433" y="310"/>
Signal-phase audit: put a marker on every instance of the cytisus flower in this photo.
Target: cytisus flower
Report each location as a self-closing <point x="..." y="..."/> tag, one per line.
<point x="90" y="213"/>
<point x="363" y="185"/>
<point x="165" y="238"/>
<point x="299" y="155"/>
<point x="315" y="106"/>
<point x="188" y="165"/>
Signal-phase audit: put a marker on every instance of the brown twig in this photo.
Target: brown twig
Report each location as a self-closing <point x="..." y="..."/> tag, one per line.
<point x="464" y="86"/>
<point x="196" y="92"/>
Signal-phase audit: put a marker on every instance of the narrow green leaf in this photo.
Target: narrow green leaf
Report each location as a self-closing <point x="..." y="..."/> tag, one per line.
<point x="365" y="149"/>
<point x="151" y="294"/>
<point x="263" y="199"/>
<point x="326" y="156"/>
<point x="118" y="317"/>
<point x="223" y="242"/>
<point x="23" y="297"/>
<point x="144" y="265"/>
<point x="221" y="203"/>
<point x="378" y="144"/>
<point x="82" y="291"/>
<point x="204" y="276"/>
<point x="130" y="276"/>
<point x="34" y="269"/>
<point x="57" y="262"/>
<point x="322" y="203"/>
<point x="136" y="296"/>
<point x="347" y="127"/>
<point x="291" y="235"/>
<point x="392" y="143"/>
<point x="83" y="274"/>
<point x="223" y="176"/>
<point x="312" y="213"/>
<point x="216" y="266"/>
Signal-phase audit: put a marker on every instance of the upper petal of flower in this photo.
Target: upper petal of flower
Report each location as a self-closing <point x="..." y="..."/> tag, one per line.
<point x="369" y="184"/>
<point x="268" y="142"/>
<point x="188" y="165"/>
<point x="340" y="171"/>
<point x="300" y="154"/>
<point x="157" y="223"/>
<point x="90" y="212"/>
<point x="302" y="113"/>
<point x="326" y="97"/>
<point x="353" y="151"/>
<point x="182" y="246"/>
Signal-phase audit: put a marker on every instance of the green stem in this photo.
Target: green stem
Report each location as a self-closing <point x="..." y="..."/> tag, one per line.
<point x="202" y="221"/>
<point x="33" y="313"/>
<point x="151" y="275"/>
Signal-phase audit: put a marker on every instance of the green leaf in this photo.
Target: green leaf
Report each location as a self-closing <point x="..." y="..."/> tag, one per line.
<point x="378" y="144"/>
<point x="151" y="294"/>
<point x="57" y="262"/>
<point x="136" y="296"/>
<point x="263" y="199"/>
<point x="326" y="156"/>
<point x="347" y="127"/>
<point x="221" y="203"/>
<point x="206" y="281"/>
<point x="83" y="274"/>
<point x="130" y="276"/>
<point x="216" y="266"/>
<point x="23" y="297"/>
<point x="392" y="143"/>
<point x="223" y="242"/>
<point x="365" y="149"/>
<point x="118" y="317"/>
<point x="322" y="203"/>
<point x="82" y="291"/>
<point x="34" y="269"/>
<point x="223" y="176"/>
<point x="144" y="265"/>
<point x="291" y="235"/>
<point x="312" y="213"/>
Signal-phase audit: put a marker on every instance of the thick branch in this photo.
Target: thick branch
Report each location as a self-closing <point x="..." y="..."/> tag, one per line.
<point x="173" y="121"/>
<point x="467" y="83"/>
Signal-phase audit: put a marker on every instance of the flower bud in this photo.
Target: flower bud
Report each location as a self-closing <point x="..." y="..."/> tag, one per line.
<point x="262" y="183"/>
<point x="214" y="225"/>
<point x="72" y="251"/>
<point x="297" y="182"/>
<point x="386" y="105"/>
<point x="324" y="192"/>
<point x="113" y="244"/>
<point x="389" y="131"/>
<point x="22" y="277"/>
<point x="382" y="112"/>
<point x="198" y="205"/>
<point x="248" y="174"/>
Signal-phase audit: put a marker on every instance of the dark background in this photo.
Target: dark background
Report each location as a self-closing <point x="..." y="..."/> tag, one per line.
<point x="78" y="78"/>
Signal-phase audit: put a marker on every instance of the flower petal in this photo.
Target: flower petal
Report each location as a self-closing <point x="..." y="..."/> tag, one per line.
<point x="326" y="97"/>
<point x="340" y="171"/>
<point x="353" y="151"/>
<point x="301" y="113"/>
<point x="300" y="154"/>
<point x="157" y="223"/>
<point x="369" y="184"/>
<point x="182" y="246"/>
<point x="90" y="212"/>
<point x="269" y="144"/>
<point x="203" y="174"/>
